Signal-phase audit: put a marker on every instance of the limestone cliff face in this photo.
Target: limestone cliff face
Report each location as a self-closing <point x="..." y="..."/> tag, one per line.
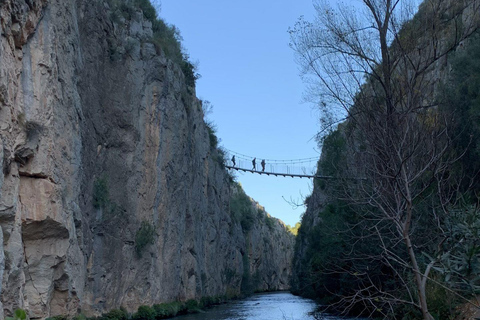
<point x="270" y="253"/>
<point x="99" y="138"/>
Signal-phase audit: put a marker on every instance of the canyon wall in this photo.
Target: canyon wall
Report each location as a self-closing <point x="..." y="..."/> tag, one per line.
<point x="111" y="194"/>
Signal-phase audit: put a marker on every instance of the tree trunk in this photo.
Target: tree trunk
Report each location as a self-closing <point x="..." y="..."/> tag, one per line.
<point x="422" y="297"/>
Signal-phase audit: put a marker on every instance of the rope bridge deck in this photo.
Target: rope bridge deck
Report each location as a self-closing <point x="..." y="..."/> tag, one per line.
<point x="297" y="168"/>
<point x="276" y="174"/>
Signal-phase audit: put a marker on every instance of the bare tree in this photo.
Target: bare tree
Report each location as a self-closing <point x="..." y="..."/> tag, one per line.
<point x="376" y="65"/>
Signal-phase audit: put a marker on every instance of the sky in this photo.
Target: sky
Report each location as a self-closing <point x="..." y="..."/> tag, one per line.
<point x="249" y="75"/>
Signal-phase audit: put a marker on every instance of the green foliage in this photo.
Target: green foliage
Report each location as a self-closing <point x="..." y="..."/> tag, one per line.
<point x="189" y="71"/>
<point x="207" y="302"/>
<point x="340" y="256"/>
<point x="261" y="212"/>
<point x="149" y="11"/>
<point x="461" y="98"/>
<point x="171" y="309"/>
<point x="270" y="222"/>
<point x="333" y="154"/>
<point x="144" y="313"/>
<point x="192" y="305"/>
<point x="441" y="302"/>
<point x="460" y="266"/>
<point x="144" y="236"/>
<point x="241" y="208"/>
<point x="294" y="230"/>
<point x="325" y="252"/>
<point x="212" y="134"/>
<point x="101" y="199"/>
<point x="166" y="37"/>
<point x="345" y="240"/>
<point x="115" y="314"/>
<point x="341" y="248"/>
<point x="218" y="153"/>
<point x="100" y="193"/>
<point x="19" y="314"/>
<point x="167" y="310"/>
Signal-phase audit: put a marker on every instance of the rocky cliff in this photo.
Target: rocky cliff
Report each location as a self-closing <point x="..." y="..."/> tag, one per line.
<point x="111" y="194"/>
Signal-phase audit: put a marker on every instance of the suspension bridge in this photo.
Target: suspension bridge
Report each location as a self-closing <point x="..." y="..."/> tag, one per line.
<point x="296" y="168"/>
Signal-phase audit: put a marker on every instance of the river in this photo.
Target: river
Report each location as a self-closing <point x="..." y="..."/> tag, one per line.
<point x="263" y="306"/>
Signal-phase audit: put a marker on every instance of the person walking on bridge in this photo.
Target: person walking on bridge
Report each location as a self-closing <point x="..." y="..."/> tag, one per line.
<point x="253" y="163"/>
<point x="263" y="165"/>
<point x="233" y="160"/>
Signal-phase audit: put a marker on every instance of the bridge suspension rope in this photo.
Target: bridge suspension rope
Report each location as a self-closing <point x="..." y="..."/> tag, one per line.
<point x="295" y="161"/>
<point x="302" y="168"/>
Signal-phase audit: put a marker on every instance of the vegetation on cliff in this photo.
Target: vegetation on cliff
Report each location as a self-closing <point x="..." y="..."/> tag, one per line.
<point x="394" y="236"/>
<point x="166" y="37"/>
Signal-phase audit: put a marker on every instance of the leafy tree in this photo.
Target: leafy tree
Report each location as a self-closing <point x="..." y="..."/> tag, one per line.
<point x="294" y="230"/>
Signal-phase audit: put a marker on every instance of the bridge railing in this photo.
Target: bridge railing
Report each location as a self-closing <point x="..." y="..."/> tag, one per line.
<point x="288" y="168"/>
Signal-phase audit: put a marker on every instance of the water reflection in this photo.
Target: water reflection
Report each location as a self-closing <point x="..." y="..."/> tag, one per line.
<point x="265" y="306"/>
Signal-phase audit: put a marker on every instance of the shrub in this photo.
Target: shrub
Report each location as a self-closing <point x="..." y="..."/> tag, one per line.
<point x="144" y="313"/>
<point x="115" y="314"/>
<point x="270" y="222"/>
<point x="127" y="10"/>
<point x="294" y="230"/>
<point x="206" y="302"/>
<point x="165" y="37"/>
<point x="161" y="311"/>
<point x="212" y="130"/>
<point x="189" y="71"/>
<point x="144" y="236"/>
<point x="167" y="310"/>
<point x="100" y="193"/>
<point x="149" y="11"/>
<point x="19" y="314"/>
<point x="192" y="305"/>
<point x="101" y="199"/>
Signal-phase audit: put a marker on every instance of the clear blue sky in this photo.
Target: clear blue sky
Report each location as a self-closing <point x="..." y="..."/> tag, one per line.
<point x="250" y="76"/>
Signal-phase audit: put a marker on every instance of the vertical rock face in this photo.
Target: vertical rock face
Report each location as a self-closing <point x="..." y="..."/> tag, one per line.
<point x="270" y="255"/>
<point x="102" y="142"/>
